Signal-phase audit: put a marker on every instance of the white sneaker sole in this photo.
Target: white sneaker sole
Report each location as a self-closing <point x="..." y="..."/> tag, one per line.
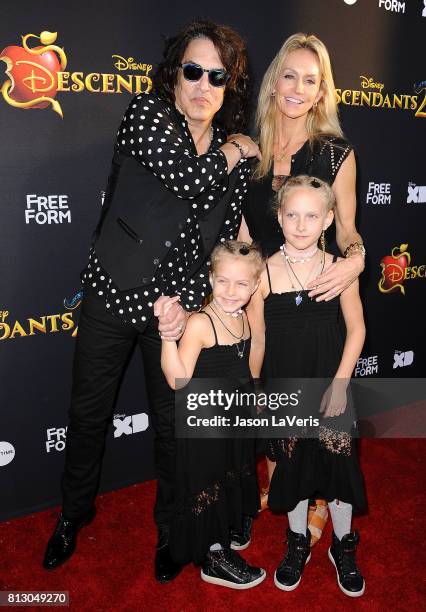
<point x="283" y="587"/>
<point x="232" y="585"/>
<point x="348" y="593"/>
<point x="236" y="546"/>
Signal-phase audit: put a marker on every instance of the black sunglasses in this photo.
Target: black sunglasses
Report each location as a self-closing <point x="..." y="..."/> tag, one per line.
<point x="218" y="77"/>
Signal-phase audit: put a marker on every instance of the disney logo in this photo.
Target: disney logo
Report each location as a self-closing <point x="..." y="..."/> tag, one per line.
<point x="368" y="83"/>
<point x="129" y="63"/>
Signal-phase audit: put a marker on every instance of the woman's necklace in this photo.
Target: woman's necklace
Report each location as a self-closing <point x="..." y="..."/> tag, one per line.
<point x="284" y="151"/>
<point x="298" y="298"/>
<point x="240" y="351"/>
<point x="294" y="259"/>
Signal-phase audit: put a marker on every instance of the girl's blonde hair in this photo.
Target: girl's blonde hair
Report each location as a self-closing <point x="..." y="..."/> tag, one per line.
<point x="321" y="120"/>
<point x="322" y="188"/>
<point x="243" y="250"/>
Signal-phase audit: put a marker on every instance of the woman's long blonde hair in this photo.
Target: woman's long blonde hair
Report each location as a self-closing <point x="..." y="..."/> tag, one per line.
<point x="321" y="120"/>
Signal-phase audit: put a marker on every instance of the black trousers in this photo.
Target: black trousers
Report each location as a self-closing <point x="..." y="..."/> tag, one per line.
<point x="103" y="347"/>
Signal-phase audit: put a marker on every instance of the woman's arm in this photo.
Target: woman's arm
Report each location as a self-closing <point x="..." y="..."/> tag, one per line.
<point x="344" y="190"/>
<point x="341" y="274"/>
<point x="178" y="362"/>
<point x="255" y="315"/>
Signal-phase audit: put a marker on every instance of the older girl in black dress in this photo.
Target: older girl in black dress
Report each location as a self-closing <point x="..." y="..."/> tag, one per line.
<point x="300" y="133"/>
<point x="293" y="337"/>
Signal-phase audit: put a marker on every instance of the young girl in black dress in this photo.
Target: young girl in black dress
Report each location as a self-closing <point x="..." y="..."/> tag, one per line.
<point x="216" y="483"/>
<point x="294" y="336"/>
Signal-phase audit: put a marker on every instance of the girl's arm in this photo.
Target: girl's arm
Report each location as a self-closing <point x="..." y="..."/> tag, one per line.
<point x="335" y="399"/>
<point x="179" y="362"/>
<point x="255" y="315"/>
<point x="355" y="330"/>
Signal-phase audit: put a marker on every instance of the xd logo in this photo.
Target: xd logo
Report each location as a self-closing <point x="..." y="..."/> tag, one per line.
<point x="130" y="424"/>
<point x="402" y="359"/>
<point x="416" y="194"/>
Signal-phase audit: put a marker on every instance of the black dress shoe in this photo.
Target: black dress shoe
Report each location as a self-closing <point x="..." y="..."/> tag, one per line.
<point x="64" y="539"/>
<point x="166" y="569"/>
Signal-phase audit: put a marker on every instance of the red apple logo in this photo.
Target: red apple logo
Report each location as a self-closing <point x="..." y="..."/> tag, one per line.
<point x="393" y="269"/>
<point x="32" y="73"/>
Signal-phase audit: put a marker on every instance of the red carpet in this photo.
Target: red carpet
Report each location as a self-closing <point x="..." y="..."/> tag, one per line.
<point x="112" y="567"/>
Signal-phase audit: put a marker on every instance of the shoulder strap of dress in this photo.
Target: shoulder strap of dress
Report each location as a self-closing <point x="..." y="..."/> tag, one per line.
<point x="211" y="321"/>
<point x="269" y="277"/>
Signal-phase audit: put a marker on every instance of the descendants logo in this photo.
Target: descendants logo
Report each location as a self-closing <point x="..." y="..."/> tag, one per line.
<point x="46" y="324"/>
<point x="373" y="94"/>
<point x="37" y="73"/>
<point x="396" y="269"/>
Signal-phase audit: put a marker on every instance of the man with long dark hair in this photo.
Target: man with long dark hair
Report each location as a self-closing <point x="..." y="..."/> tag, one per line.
<point x="175" y="189"/>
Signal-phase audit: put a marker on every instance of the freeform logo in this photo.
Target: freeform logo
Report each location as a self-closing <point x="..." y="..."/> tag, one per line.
<point x="401" y="359"/>
<point x="56" y="439"/>
<point x="128" y="425"/>
<point x="392" y="5"/>
<point x="379" y="193"/>
<point x="7" y="453"/>
<point x="367" y="366"/>
<point x="416" y="194"/>
<point x="47" y="209"/>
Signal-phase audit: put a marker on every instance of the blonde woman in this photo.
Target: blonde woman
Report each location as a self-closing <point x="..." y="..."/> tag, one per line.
<point x="300" y="133"/>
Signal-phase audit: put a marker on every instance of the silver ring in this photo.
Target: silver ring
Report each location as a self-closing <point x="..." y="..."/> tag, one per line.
<point x="180" y="328"/>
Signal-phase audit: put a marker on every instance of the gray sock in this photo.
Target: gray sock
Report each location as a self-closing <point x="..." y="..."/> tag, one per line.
<point x="341" y="515"/>
<point x="216" y="547"/>
<point x="298" y="517"/>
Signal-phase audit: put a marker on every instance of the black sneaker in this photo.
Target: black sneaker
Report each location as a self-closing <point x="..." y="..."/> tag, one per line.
<point x="225" y="567"/>
<point x="289" y="572"/>
<point x="342" y="555"/>
<point x="240" y="540"/>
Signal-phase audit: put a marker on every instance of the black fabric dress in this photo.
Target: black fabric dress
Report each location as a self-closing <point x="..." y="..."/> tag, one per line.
<point x="307" y="341"/>
<point x="322" y="160"/>
<point x="216" y="481"/>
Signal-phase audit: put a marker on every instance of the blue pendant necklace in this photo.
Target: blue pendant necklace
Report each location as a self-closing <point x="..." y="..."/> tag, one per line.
<point x="298" y="297"/>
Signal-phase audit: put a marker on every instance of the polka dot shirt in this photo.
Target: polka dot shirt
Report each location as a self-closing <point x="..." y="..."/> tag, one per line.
<point x="158" y="137"/>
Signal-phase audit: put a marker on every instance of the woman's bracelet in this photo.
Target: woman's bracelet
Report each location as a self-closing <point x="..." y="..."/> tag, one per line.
<point x="239" y="147"/>
<point x="355" y="247"/>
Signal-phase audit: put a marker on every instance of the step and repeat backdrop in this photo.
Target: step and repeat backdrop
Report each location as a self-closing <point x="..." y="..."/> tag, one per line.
<point x="67" y="73"/>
